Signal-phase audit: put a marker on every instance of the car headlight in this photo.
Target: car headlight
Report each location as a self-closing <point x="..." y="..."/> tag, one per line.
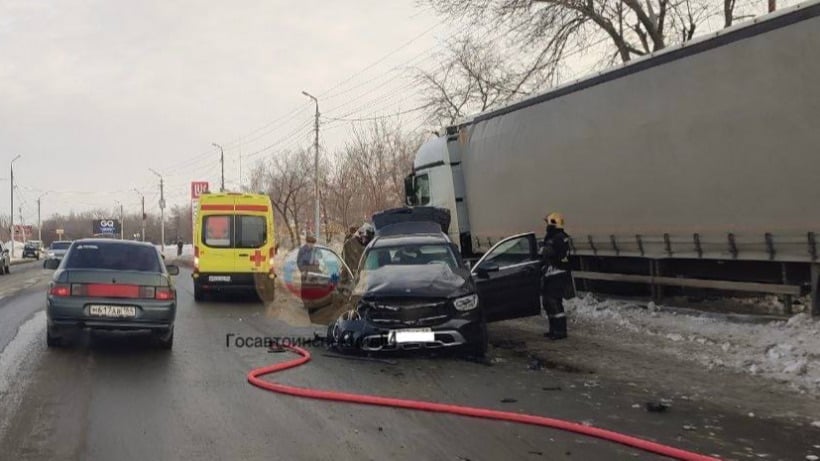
<point x="466" y="303"/>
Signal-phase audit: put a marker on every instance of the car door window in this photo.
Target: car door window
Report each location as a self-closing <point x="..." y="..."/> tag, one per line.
<point x="510" y="252"/>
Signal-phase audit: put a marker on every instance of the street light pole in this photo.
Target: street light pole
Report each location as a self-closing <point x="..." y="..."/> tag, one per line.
<point x="161" y="209"/>
<point x="222" y="162"/>
<point x="12" y="203"/>
<point x="142" y="197"/>
<point x="316" y="216"/>
<point x="39" y="220"/>
<point x="122" y="220"/>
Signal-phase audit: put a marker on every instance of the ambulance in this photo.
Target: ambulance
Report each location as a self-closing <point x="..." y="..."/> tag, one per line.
<point x="233" y="244"/>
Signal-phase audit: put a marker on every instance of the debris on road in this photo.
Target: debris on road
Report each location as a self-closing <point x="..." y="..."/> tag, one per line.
<point x="362" y="359"/>
<point x="536" y="364"/>
<point x="687" y="427"/>
<point x="657" y="407"/>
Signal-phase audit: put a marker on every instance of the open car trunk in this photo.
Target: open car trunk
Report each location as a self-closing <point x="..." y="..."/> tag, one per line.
<point x="418" y="214"/>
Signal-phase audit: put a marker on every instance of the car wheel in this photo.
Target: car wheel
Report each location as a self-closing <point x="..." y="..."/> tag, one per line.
<point x="478" y="347"/>
<point x="51" y="340"/>
<point x="166" y="339"/>
<point x="199" y="295"/>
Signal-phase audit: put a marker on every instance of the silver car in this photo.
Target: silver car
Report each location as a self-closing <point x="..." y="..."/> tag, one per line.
<point x="56" y="251"/>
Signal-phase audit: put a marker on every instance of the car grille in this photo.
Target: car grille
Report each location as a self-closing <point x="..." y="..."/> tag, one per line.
<point x="408" y="313"/>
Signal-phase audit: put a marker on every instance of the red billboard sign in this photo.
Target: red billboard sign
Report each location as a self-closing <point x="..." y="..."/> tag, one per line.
<point x="198" y="188"/>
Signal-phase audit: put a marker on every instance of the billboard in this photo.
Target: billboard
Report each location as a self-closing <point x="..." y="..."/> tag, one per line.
<point x="106" y="226"/>
<point x="197" y="189"/>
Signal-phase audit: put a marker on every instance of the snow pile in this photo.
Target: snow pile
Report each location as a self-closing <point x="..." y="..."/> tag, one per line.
<point x="785" y="351"/>
<point x="18" y="249"/>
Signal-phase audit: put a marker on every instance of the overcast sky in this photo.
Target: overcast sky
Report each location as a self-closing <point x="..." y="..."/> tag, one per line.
<point x="94" y="92"/>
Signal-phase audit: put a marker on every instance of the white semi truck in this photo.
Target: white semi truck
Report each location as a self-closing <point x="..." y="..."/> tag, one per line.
<point x="695" y="168"/>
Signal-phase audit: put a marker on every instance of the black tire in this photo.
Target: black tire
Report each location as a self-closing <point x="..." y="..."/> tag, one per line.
<point x="477" y="348"/>
<point x="199" y="295"/>
<point x="51" y="340"/>
<point x="165" y="340"/>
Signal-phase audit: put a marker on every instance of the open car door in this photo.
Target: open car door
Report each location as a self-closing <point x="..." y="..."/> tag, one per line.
<point x="508" y="278"/>
<point x="320" y="291"/>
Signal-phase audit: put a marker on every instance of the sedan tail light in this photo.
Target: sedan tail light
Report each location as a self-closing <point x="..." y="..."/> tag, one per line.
<point x="60" y="289"/>
<point x="164" y="293"/>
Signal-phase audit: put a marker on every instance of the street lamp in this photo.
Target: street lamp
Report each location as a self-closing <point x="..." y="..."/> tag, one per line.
<point x="315" y="165"/>
<point x="142" y="197"/>
<point x="122" y="219"/>
<point x="161" y="209"/>
<point x="222" y="162"/>
<point x="39" y="221"/>
<point x="11" y="167"/>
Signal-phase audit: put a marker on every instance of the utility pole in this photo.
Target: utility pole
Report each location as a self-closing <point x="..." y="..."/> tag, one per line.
<point x="316" y="223"/>
<point x="22" y="230"/>
<point x="161" y="209"/>
<point x="122" y="220"/>
<point x="12" y="204"/>
<point x="222" y="162"/>
<point x="142" y="235"/>
<point x="39" y="220"/>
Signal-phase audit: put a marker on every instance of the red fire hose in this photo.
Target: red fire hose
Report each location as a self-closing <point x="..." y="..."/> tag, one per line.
<point x="254" y="377"/>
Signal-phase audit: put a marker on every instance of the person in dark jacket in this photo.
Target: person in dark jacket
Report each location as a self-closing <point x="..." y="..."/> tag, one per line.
<point x="557" y="279"/>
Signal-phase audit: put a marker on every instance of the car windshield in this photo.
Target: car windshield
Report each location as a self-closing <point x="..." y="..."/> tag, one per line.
<point x="60" y="245"/>
<point x="113" y="256"/>
<point x="410" y="255"/>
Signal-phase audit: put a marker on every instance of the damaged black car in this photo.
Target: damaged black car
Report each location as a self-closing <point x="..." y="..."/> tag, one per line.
<point x="414" y="291"/>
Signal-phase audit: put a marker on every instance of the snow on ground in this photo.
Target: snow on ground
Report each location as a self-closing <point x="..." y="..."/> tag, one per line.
<point x="18" y="249"/>
<point x="784" y="351"/>
<point x="171" y="251"/>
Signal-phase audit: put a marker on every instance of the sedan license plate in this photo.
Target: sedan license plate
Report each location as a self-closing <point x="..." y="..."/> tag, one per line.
<point x="219" y="278"/>
<point x="411" y="335"/>
<point x="117" y="312"/>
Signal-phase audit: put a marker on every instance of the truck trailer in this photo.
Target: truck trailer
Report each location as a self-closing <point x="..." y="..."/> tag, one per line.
<point x="694" y="168"/>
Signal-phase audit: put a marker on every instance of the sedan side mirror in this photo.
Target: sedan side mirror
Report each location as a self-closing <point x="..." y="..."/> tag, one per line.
<point x="483" y="271"/>
<point x="172" y="269"/>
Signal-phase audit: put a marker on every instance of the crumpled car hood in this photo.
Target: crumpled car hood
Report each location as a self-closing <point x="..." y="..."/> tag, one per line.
<point x="429" y="280"/>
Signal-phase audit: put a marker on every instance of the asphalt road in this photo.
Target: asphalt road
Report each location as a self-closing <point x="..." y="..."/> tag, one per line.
<point x="115" y="396"/>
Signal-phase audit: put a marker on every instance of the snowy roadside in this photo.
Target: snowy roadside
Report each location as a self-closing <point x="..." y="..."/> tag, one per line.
<point x="787" y="352"/>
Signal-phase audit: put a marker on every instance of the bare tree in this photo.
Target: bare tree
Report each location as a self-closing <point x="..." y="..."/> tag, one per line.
<point x="536" y="38"/>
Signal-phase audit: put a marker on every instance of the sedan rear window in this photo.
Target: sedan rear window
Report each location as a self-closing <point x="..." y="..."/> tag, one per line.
<point x="60" y="245"/>
<point x="113" y="256"/>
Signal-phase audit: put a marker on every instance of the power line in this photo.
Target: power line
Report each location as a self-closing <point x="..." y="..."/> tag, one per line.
<point x="365" y="119"/>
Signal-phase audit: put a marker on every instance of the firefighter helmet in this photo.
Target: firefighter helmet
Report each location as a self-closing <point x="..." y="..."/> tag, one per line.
<point x="555" y="219"/>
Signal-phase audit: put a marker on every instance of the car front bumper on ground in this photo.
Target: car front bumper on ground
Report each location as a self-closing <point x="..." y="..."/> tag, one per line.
<point x="71" y="312"/>
<point x="365" y="336"/>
